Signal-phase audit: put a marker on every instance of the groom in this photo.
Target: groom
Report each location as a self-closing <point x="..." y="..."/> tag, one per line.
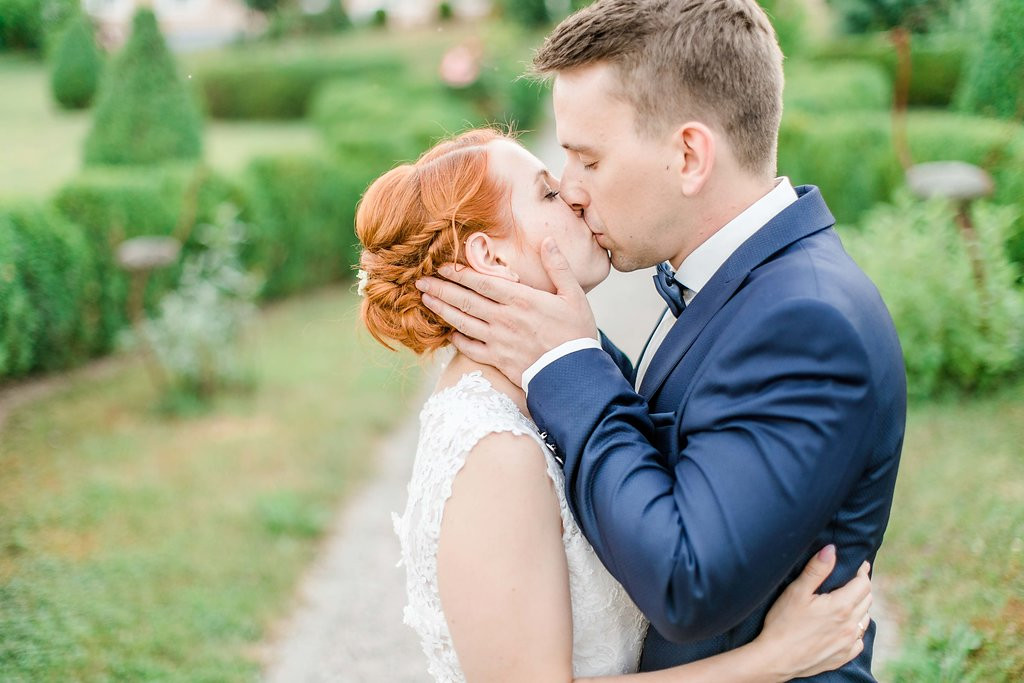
<point x="765" y="417"/>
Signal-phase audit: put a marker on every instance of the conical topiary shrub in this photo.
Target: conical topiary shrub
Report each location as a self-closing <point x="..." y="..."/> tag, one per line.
<point x="76" y="65"/>
<point x="144" y="113"/>
<point x="993" y="82"/>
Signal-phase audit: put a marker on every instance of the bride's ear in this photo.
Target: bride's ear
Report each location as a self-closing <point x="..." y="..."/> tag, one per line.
<point x="482" y="254"/>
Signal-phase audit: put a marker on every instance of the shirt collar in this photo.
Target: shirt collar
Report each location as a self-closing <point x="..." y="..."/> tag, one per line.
<point x="700" y="266"/>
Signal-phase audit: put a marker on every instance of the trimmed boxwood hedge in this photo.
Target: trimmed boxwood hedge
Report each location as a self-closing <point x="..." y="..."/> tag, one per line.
<point x="50" y="299"/>
<point x="376" y="108"/>
<point x="112" y="204"/>
<point x="301" y="217"/>
<point x="371" y="127"/>
<point x="937" y="62"/>
<point x="281" y="87"/>
<point x="835" y="87"/>
<point x="850" y="156"/>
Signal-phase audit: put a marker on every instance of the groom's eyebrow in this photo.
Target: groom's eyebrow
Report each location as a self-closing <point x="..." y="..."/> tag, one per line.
<point x="579" y="149"/>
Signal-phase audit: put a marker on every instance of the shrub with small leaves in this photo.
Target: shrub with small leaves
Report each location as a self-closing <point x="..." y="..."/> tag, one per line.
<point x="195" y="334"/>
<point x="958" y="333"/>
<point x="76" y="65"/>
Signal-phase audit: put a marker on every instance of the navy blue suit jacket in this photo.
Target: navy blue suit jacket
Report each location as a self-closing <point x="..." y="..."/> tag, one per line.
<point x="769" y="424"/>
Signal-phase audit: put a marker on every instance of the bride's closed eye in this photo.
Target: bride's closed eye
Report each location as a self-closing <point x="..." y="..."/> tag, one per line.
<point x="551" y="194"/>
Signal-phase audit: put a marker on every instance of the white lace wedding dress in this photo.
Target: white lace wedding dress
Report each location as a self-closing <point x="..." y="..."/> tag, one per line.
<point x="608" y="629"/>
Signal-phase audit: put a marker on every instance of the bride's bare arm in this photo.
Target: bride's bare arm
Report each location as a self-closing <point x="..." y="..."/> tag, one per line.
<point x="501" y="566"/>
<point x="504" y="588"/>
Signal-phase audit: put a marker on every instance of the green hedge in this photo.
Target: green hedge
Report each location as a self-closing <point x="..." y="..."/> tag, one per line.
<point x="281" y="82"/>
<point x="936" y="62"/>
<point x="850" y="156"/>
<point x="302" y="212"/>
<point x="299" y="209"/>
<point x="371" y="127"/>
<point x="50" y="298"/>
<point x="114" y="204"/>
<point x="835" y="87"/>
<point x="281" y="87"/>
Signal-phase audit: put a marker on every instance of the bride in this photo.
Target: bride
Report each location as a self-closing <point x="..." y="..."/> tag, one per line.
<point x="502" y="585"/>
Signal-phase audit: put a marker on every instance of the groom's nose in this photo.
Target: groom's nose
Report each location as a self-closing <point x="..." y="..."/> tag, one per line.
<point x="575" y="196"/>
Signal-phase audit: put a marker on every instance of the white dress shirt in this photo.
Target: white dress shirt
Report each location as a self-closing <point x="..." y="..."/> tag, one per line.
<point x="693" y="274"/>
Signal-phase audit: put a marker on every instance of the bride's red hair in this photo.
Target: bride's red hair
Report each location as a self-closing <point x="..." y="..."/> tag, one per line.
<point x="411" y="221"/>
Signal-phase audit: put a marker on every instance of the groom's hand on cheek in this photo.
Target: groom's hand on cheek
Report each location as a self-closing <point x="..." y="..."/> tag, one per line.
<point x="507" y="324"/>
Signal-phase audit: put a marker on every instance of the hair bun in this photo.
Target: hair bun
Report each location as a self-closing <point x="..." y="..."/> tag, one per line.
<point x="411" y="221"/>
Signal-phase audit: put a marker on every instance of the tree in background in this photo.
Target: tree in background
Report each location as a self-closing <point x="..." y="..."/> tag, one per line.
<point x="144" y="112"/>
<point x="916" y="16"/>
<point x="528" y="13"/>
<point x="994" y="83"/>
<point x="76" y="65"/>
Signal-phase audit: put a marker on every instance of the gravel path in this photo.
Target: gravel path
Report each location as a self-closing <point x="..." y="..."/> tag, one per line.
<point x="347" y="623"/>
<point x="347" y="626"/>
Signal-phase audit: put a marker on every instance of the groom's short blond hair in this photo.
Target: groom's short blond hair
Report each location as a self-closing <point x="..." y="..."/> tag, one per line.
<point x="717" y="61"/>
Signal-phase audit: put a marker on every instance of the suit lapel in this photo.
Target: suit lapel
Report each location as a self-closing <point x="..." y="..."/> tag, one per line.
<point x="806" y="216"/>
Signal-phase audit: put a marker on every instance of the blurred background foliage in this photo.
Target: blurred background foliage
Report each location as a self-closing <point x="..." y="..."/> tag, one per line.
<point x="289" y="126"/>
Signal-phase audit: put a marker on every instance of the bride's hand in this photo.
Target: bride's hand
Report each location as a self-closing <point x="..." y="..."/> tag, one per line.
<point x="814" y="633"/>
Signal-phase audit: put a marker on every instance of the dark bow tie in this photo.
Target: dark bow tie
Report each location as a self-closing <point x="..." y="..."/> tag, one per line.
<point x="669" y="289"/>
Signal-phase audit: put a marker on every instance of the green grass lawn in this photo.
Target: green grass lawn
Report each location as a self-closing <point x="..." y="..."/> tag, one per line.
<point x="136" y="547"/>
<point x="953" y="557"/>
<point x="41" y="145"/>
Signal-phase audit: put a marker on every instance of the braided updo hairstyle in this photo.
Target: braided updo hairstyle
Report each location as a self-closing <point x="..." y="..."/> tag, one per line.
<point x="411" y="221"/>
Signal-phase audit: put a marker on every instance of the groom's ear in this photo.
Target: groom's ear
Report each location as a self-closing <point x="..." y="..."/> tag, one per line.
<point x="694" y="144"/>
<point x="483" y="256"/>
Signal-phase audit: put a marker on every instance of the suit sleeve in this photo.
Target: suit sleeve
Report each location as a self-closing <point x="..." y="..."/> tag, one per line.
<point x="618" y="357"/>
<point x="769" y="445"/>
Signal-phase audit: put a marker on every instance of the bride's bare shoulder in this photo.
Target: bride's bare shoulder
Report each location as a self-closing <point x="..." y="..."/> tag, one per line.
<point x="504" y="469"/>
<point x="508" y="454"/>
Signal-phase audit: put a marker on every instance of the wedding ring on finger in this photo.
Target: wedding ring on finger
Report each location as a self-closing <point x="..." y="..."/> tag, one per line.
<point x="862" y="627"/>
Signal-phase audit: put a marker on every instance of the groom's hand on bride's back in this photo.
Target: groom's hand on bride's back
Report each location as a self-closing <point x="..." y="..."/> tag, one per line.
<point x="506" y="324"/>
